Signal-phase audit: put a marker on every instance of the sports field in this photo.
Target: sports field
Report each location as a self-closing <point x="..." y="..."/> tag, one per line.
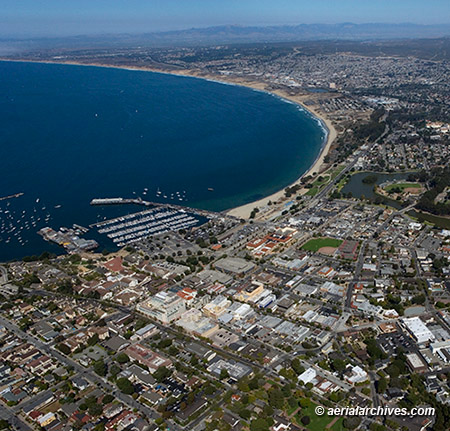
<point x="317" y="243"/>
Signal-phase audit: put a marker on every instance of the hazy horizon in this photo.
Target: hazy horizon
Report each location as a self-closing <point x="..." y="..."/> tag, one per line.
<point x="51" y="18"/>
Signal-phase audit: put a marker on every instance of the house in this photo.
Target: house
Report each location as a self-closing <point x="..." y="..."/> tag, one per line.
<point x="280" y="424"/>
<point x="80" y="383"/>
<point x="355" y="375"/>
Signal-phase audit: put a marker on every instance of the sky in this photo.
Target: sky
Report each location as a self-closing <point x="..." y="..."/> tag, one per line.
<point x="81" y="17"/>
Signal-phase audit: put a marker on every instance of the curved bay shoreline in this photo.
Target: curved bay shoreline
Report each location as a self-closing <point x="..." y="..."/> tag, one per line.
<point x="245" y="210"/>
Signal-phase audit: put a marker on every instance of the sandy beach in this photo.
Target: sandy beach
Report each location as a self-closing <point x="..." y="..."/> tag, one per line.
<point x="242" y="211"/>
<point x="245" y="210"/>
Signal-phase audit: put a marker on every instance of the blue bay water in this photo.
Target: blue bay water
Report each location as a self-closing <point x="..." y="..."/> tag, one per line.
<point x="72" y="133"/>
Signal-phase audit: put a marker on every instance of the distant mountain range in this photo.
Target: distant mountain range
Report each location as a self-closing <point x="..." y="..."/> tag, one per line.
<point x="236" y="34"/>
<point x="302" y="32"/>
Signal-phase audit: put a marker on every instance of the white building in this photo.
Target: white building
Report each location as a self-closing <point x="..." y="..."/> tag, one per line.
<point x="355" y="375"/>
<point x="418" y="330"/>
<point x="164" y="306"/>
<point x="308" y="376"/>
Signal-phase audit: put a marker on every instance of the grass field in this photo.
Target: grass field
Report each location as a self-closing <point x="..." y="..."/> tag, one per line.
<point x="317" y="185"/>
<point x="317" y="243"/>
<point x="318" y="423"/>
<point x="336" y="171"/>
<point x="402" y="186"/>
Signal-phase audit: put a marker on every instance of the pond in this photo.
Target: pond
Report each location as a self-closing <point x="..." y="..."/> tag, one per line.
<point x="357" y="188"/>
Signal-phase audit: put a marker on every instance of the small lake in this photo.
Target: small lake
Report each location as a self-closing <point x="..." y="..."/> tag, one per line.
<point x="357" y="188"/>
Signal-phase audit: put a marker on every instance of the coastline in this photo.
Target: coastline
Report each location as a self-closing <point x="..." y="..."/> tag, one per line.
<point x="245" y="210"/>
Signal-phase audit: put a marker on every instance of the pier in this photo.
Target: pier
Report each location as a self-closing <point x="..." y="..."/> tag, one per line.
<point x="17" y="195"/>
<point x="140" y="201"/>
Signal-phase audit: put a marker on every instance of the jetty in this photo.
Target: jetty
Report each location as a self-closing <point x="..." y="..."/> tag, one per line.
<point x="140" y="201"/>
<point x="16" y="195"/>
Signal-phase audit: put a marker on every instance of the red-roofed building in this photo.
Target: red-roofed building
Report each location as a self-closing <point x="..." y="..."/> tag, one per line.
<point x="187" y="294"/>
<point x="77" y="416"/>
<point x="348" y="249"/>
<point x="35" y="414"/>
<point x="114" y="265"/>
<point x="147" y="357"/>
<point x="116" y="421"/>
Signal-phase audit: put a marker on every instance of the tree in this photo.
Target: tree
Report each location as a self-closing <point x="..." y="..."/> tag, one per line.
<point x="305" y="420"/>
<point x="224" y="374"/>
<point x="100" y="368"/>
<point x="245" y="413"/>
<point x="95" y="410"/>
<point x="305" y="402"/>
<point x="338" y="365"/>
<point x="166" y="342"/>
<point x="161" y="374"/>
<point x="93" y="340"/>
<point x="267" y="410"/>
<point x="418" y="299"/>
<point x="64" y="348"/>
<point x="276" y="399"/>
<point x="125" y="386"/>
<point x="253" y="383"/>
<point x="286" y="390"/>
<point x="297" y="366"/>
<point x="108" y="398"/>
<point x="370" y="179"/>
<point x="259" y="424"/>
<point x="293" y="402"/>
<point x="122" y="358"/>
<point x="209" y="390"/>
<point x="114" y="370"/>
<point x="381" y="385"/>
<point x="352" y="422"/>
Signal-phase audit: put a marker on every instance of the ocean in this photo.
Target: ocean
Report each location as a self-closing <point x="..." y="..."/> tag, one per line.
<point x="69" y="134"/>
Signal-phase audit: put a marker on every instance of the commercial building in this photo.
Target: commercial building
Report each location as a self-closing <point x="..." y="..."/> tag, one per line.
<point x="145" y="332"/>
<point x="307" y="376"/>
<point x="418" y="330"/>
<point x="147" y="357"/>
<point x="234" y="266"/>
<point x="164" y="306"/>
<point x="416" y="364"/>
<point x="193" y="322"/>
<point x="251" y="293"/>
<point x="216" y="307"/>
<point x="235" y="370"/>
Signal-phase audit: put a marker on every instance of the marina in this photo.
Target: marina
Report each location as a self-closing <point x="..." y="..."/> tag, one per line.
<point x="134" y="227"/>
<point x="198" y="175"/>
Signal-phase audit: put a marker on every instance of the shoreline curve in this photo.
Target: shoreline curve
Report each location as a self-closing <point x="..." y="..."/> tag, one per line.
<point x="242" y="211"/>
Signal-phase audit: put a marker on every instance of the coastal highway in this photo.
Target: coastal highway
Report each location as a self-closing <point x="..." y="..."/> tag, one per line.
<point x="327" y="189"/>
